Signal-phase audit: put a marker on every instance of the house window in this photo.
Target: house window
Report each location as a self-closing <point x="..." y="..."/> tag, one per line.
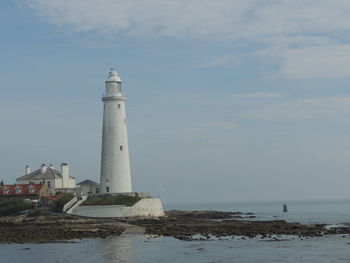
<point x="121" y="147"/>
<point x="31" y="189"/>
<point x="49" y="184"/>
<point x="5" y="190"/>
<point x="18" y="190"/>
<point x="118" y="106"/>
<point x="107" y="189"/>
<point x="97" y="190"/>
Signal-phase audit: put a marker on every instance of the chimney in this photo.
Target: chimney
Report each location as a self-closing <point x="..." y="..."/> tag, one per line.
<point x="43" y="168"/>
<point x="1" y="182"/>
<point x="27" y="169"/>
<point x="65" y="174"/>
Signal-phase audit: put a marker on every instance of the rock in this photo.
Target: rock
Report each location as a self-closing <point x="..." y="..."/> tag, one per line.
<point x="55" y="227"/>
<point x="183" y="224"/>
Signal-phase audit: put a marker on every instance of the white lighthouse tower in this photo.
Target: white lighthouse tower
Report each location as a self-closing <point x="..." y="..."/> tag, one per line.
<point x="115" y="164"/>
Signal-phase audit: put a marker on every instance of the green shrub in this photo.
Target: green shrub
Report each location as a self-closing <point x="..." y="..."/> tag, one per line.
<point x="14" y="206"/>
<point x="60" y="201"/>
<point x="112" y="200"/>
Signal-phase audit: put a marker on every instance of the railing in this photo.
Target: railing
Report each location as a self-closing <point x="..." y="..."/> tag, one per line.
<point x="118" y="94"/>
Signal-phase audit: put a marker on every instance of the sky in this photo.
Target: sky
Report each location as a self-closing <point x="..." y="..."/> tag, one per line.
<point x="228" y="100"/>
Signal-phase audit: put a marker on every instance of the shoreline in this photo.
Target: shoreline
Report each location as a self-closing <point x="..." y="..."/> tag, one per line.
<point x="48" y="227"/>
<point x="56" y="227"/>
<point x="184" y="225"/>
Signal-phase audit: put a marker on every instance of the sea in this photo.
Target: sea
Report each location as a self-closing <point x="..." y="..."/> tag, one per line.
<point x="139" y="248"/>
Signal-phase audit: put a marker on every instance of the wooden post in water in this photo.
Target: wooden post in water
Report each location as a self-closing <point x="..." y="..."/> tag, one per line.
<point x="285" y="209"/>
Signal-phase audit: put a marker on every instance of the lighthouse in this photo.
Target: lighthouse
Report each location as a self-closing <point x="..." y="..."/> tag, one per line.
<point x="115" y="163"/>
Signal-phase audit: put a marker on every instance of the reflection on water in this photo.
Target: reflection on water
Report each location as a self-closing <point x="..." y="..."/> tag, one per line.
<point x="118" y="249"/>
<point x="138" y="249"/>
<point x="110" y="250"/>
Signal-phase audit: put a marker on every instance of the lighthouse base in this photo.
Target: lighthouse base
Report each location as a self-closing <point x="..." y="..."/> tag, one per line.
<point x="146" y="208"/>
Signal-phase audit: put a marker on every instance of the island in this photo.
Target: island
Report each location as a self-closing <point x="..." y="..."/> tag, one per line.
<point x="42" y="225"/>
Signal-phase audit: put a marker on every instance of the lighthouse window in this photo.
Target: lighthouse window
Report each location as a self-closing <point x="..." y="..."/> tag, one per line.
<point x="118" y="106"/>
<point x="121" y="147"/>
<point x="107" y="189"/>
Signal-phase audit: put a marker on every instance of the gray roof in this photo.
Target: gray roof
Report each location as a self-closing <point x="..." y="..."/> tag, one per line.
<point x="88" y="182"/>
<point x="37" y="175"/>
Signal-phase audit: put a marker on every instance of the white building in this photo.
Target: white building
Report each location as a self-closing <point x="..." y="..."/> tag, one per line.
<point x="115" y="164"/>
<point x="55" y="180"/>
<point x="89" y="187"/>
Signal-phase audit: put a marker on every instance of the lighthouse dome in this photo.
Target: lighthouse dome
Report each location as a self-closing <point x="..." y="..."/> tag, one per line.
<point x="113" y="76"/>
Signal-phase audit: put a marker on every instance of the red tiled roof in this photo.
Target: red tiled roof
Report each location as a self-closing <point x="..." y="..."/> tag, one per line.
<point x="20" y="189"/>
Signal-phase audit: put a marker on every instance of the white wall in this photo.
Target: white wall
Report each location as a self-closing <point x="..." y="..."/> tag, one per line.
<point x="115" y="164"/>
<point x="70" y="183"/>
<point x="58" y="183"/>
<point x="147" y="207"/>
<point x="89" y="189"/>
<point x="69" y="204"/>
<point x="54" y="183"/>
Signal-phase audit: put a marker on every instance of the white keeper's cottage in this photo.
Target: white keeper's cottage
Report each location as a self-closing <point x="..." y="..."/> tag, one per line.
<point x="54" y="179"/>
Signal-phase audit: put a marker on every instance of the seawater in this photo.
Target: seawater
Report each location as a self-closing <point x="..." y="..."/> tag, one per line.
<point x="330" y="211"/>
<point x="165" y="249"/>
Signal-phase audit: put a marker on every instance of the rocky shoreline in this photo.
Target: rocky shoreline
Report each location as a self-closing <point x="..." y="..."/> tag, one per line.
<point x="55" y="227"/>
<point x="184" y="225"/>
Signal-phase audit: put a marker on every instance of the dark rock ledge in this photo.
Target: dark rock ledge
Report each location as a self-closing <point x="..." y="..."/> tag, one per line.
<point x="185" y="224"/>
<point x="52" y="227"/>
<point x="56" y="227"/>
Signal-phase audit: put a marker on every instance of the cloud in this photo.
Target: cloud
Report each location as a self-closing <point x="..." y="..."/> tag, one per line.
<point x="256" y="95"/>
<point x="226" y="60"/>
<point x="226" y="125"/>
<point x="286" y="17"/>
<point x="181" y="18"/>
<point x="219" y="125"/>
<point x="304" y="38"/>
<point x="207" y="131"/>
<point x="303" y="109"/>
<point x="235" y="19"/>
<point x="316" y="61"/>
<point x="332" y="61"/>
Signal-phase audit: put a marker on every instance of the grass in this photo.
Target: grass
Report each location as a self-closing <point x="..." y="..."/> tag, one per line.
<point x="112" y="200"/>
<point x="10" y="207"/>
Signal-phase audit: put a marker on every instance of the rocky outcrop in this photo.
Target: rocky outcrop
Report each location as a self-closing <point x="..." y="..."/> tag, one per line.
<point x="54" y="227"/>
<point x="186" y="224"/>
